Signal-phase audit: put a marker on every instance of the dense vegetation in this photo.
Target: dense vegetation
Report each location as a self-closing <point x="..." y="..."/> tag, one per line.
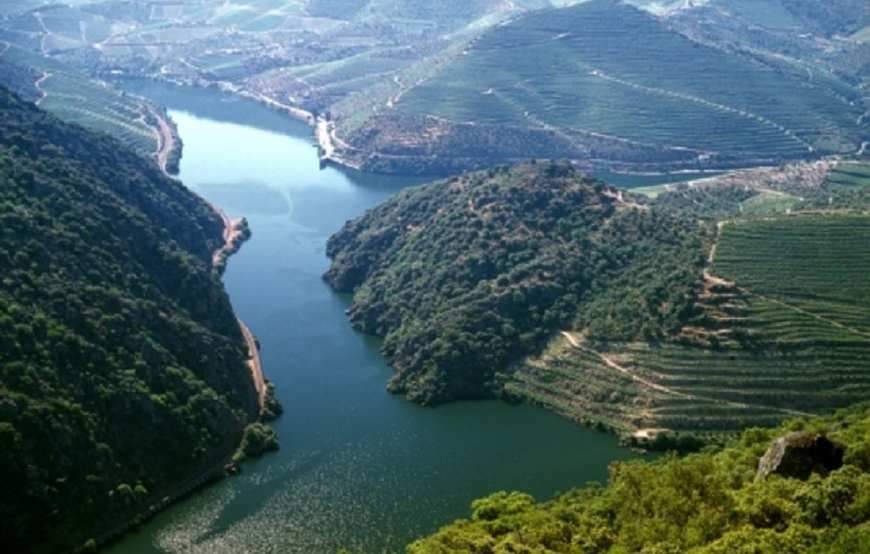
<point x="122" y="367"/>
<point x="464" y="276"/>
<point x="701" y="504"/>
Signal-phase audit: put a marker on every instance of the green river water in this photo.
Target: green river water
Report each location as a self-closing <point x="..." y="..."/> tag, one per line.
<point x="358" y="468"/>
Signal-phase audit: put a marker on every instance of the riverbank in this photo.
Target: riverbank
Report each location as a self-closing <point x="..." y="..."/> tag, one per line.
<point x="323" y="129"/>
<point x="235" y="233"/>
<point x="353" y="458"/>
<point x="166" y="143"/>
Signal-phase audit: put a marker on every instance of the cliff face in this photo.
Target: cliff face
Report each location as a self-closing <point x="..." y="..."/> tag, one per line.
<point x="121" y="363"/>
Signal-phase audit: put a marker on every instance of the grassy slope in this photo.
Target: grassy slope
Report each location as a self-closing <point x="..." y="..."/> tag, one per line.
<point x="70" y="95"/>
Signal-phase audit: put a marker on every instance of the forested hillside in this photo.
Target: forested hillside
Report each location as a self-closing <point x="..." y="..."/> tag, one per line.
<point x="122" y="367"/>
<point x="463" y="277"/>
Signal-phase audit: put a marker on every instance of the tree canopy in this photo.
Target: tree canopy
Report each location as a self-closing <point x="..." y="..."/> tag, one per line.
<point x="121" y="362"/>
<point x="708" y="503"/>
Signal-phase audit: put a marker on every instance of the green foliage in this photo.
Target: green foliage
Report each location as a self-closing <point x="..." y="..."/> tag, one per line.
<point x="467" y="277"/>
<point x="700" y="504"/>
<point x="846" y="187"/>
<point x="121" y="364"/>
<point x="464" y="276"/>
<point x="258" y="439"/>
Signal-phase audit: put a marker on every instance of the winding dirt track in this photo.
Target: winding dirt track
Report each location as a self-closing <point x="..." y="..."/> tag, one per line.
<point x="661" y="388"/>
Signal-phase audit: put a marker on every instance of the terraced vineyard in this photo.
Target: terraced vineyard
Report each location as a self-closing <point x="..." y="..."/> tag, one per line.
<point x="69" y="95"/>
<point x="98" y="108"/>
<point x="785" y="331"/>
<point x="849" y="175"/>
<point x="607" y="68"/>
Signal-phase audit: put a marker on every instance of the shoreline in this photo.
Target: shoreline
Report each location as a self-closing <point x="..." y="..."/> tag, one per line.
<point x="322" y="129"/>
<point x="234" y="235"/>
<point x="329" y="146"/>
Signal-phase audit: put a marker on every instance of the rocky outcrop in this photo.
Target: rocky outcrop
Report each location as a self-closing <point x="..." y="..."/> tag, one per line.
<point x="800" y="454"/>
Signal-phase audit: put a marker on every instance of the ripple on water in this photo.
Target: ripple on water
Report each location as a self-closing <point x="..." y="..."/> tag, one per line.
<point x="318" y="503"/>
<point x="259" y="199"/>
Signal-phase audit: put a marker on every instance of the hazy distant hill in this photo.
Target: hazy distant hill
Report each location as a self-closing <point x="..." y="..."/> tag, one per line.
<point x="437" y="87"/>
<point x="302" y="53"/>
<point x="122" y="367"/>
<point x="608" y="85"/>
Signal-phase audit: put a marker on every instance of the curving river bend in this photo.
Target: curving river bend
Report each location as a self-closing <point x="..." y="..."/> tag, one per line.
<point x="358" y="468"/>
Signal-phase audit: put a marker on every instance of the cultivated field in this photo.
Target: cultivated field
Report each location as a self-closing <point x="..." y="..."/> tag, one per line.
<point x="784" y="330"/>
<point x="66" y="93"/>
<point x="613" y="70"/>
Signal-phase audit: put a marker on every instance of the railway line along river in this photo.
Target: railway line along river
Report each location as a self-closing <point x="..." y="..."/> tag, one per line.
<point x="358" y="468"/>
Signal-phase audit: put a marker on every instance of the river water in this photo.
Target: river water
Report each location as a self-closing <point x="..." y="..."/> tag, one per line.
<point x="358" y="468"/>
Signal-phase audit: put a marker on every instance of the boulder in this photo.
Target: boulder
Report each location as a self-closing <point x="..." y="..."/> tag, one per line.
<point x="798" y="455"/>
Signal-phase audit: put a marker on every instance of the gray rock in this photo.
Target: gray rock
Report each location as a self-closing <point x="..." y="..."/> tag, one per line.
<point x="798" y="455"/>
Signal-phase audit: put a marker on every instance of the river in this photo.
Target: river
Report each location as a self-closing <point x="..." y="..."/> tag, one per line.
<point x="358" y="468"/>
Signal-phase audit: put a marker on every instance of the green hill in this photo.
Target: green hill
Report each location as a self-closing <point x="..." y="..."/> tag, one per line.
<point x="122" y="369"/>
<point x="607" y="85"/>
<point x="704" y="311"/>
<point x="465" y="276"/>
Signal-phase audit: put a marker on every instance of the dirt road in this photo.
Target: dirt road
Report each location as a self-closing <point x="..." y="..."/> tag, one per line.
<point x="166" y="142"/>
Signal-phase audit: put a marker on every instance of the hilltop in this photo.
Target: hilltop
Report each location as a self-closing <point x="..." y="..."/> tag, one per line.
<point x="122" y="366"/>
<point x="464" y="276"/>
<point x="685" y="317"/>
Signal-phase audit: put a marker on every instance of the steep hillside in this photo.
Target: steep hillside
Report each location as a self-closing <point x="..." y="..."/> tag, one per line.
<point x="778" y="327"/>
<point x="608" y="85"/>
<point x="122" y="367"/>
<point x="72" y="96"/>
<point x="296" y="54"/>
<point x="824" y="38"/>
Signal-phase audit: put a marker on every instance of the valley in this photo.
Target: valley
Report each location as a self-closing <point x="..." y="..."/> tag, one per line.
<point x="710" y="282"/>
